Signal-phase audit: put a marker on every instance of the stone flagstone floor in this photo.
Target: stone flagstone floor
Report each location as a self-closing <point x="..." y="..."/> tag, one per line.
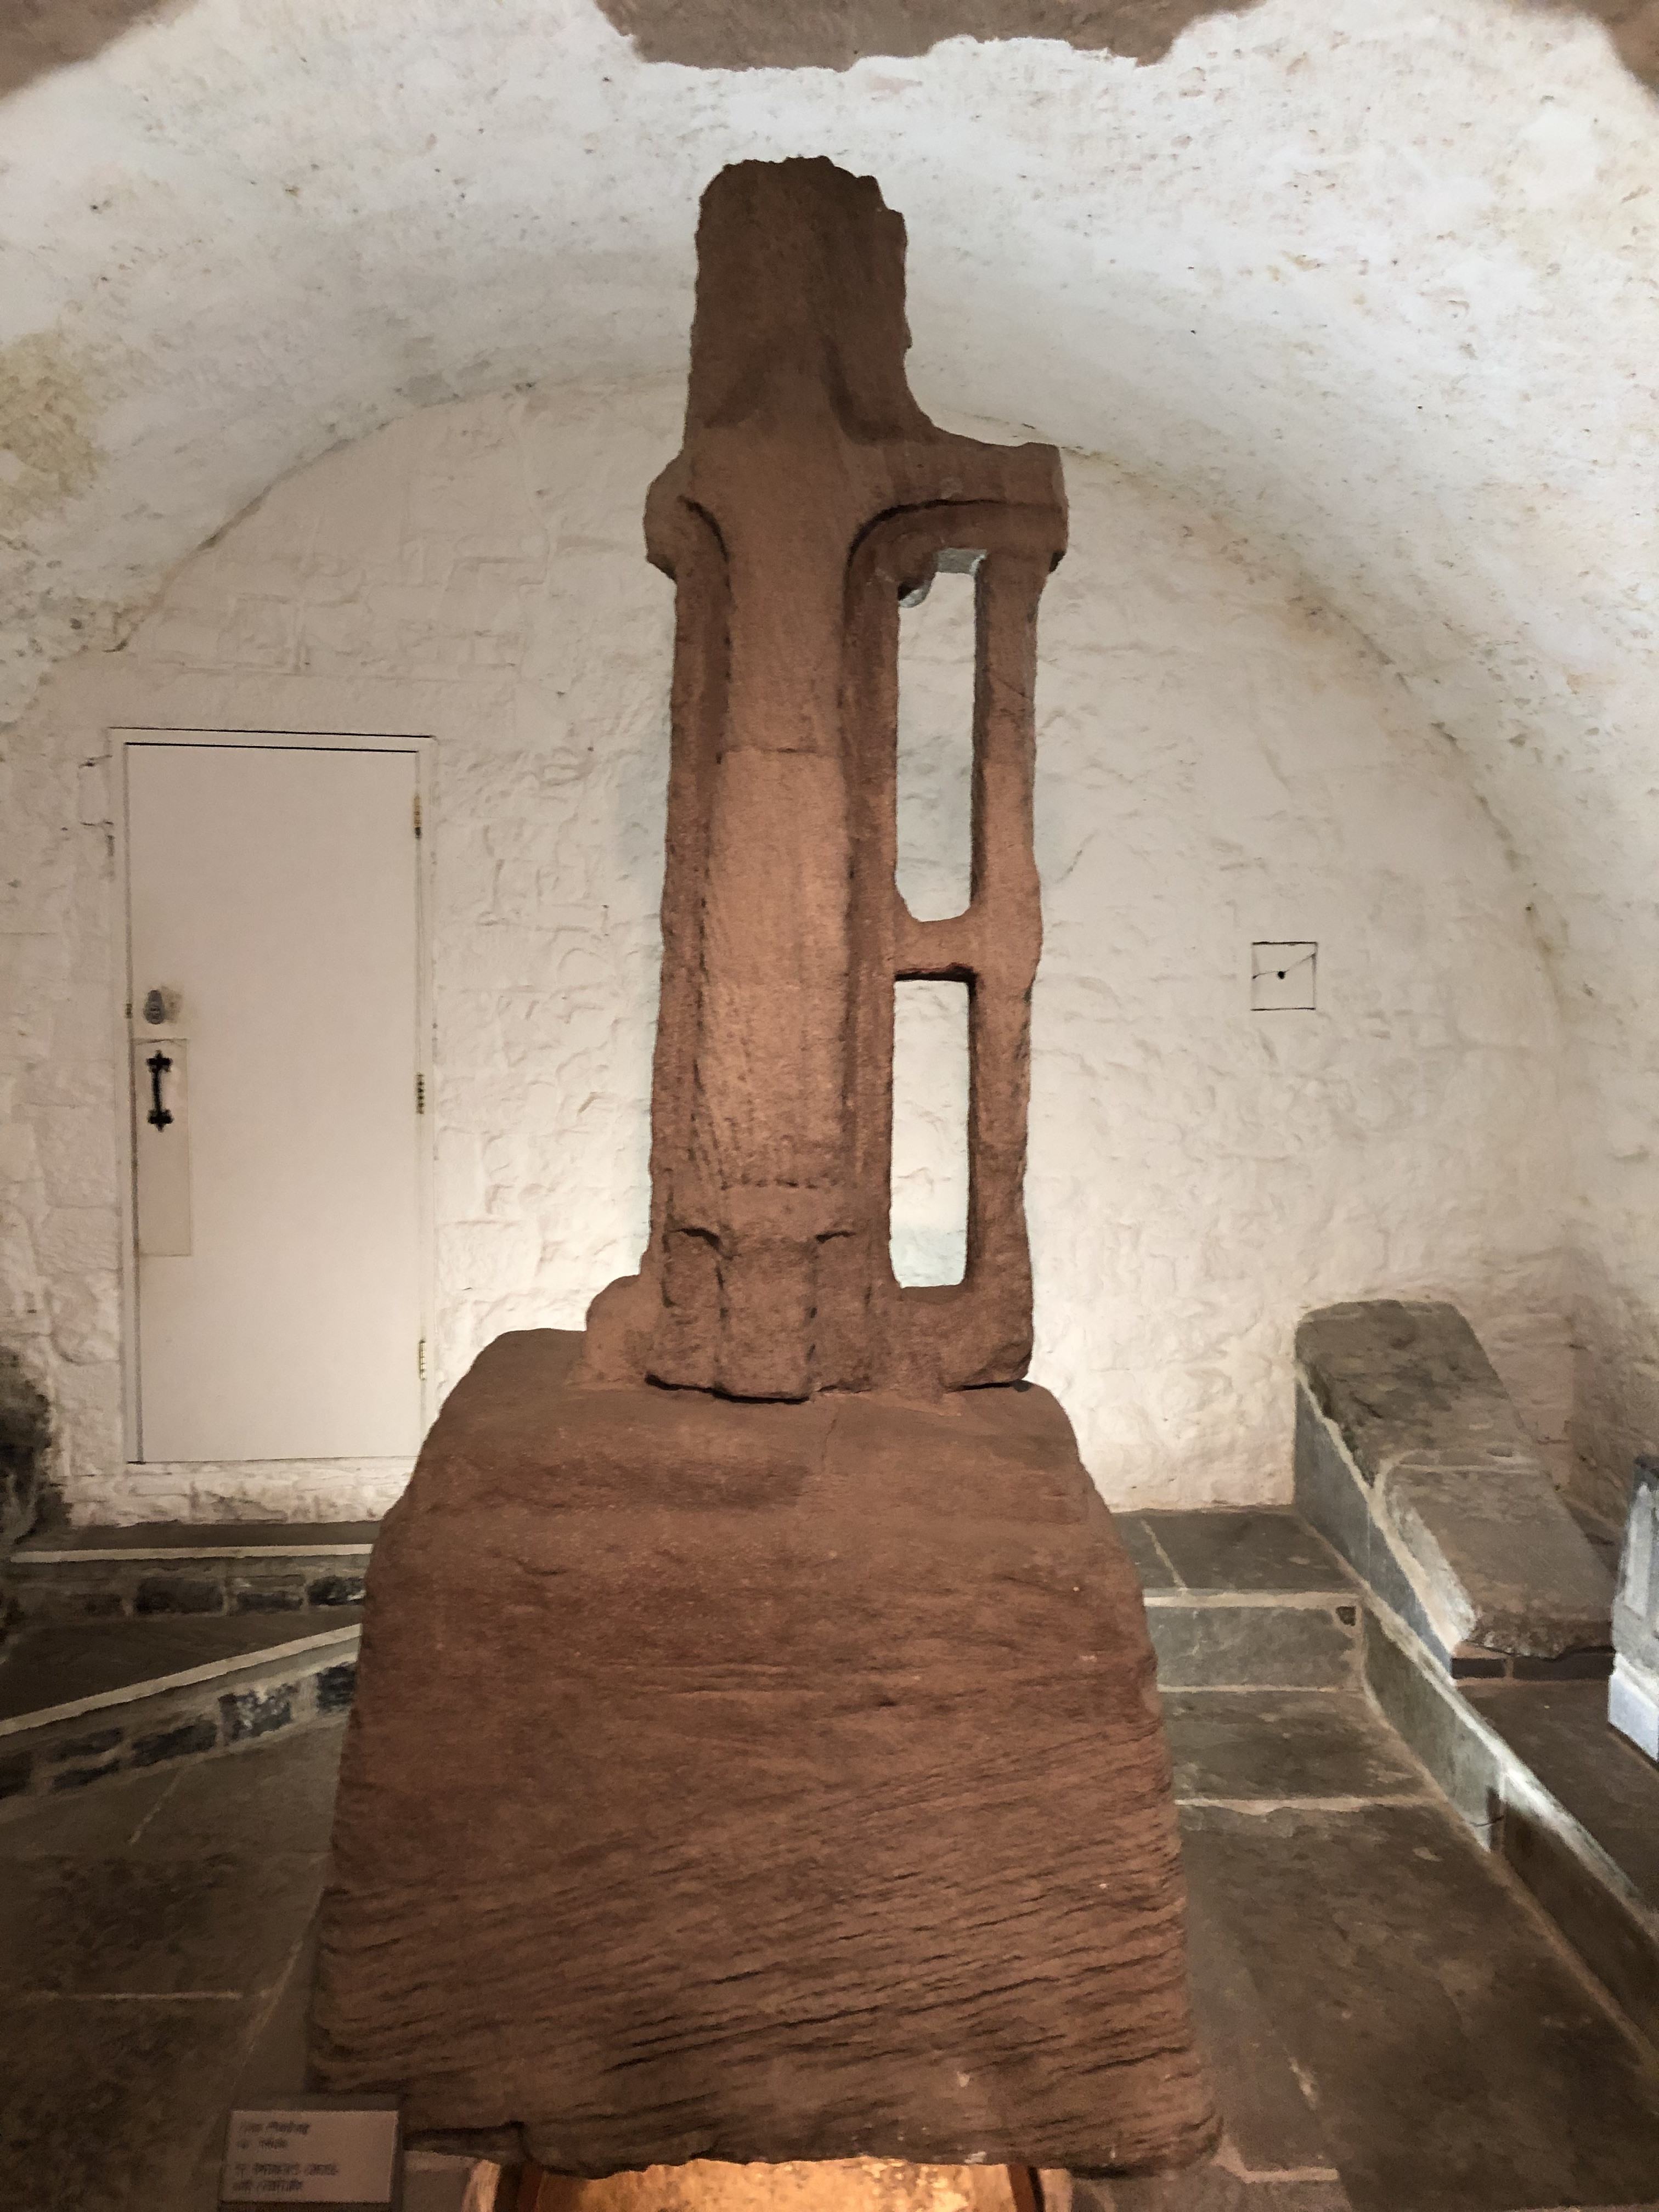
<point x="1397" y="2028"/>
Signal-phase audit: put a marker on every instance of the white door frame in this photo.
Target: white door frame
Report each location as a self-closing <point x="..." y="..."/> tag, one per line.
<point x="424" y="750"/>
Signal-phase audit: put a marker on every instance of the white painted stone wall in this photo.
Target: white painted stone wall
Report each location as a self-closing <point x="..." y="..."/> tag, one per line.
<point x="1374" y="280"/>
<point x="1222" y="760"/>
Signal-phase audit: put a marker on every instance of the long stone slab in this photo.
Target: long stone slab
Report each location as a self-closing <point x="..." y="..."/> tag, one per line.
<point x="1411" y="1458"/>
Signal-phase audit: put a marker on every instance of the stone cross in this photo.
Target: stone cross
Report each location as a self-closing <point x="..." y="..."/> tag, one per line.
<point x="827" y="1799"/>
<point x="811" y="494"/>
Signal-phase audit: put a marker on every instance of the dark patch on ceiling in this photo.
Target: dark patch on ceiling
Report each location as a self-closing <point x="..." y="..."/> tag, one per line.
<point x="734" y="34"/>
<point x="835" y="33"/>
<point x="40" y="36"/>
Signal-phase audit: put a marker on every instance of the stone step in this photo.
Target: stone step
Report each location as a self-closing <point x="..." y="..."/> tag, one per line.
<point x="164" y="1568"/>
<point x="1545" y="1781"/>
<point x="147" y="1644"/>
<point x="1255" y="1600"/>
<point x="83" y="1701"/>
<point x="1244" y="1598"/>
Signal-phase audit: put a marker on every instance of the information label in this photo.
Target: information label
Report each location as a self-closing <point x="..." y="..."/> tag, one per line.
<point x="310" y="2157"/>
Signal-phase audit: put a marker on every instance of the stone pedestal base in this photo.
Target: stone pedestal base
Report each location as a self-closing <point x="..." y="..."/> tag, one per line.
<point x="757" y="1782"/>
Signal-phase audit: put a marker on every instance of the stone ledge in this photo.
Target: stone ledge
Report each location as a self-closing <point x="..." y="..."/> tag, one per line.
<point x="1412" y="1461"/>
<point x="190" y="1715"/>
<point x="174" y="1569"/>
<point x="1633" y="1693"/>
<point x="1633" y="1707"/>
<point x="1612" y="1925"/>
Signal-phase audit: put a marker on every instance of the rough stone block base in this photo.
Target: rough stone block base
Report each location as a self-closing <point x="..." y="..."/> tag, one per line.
<point x="757" y="1782"/>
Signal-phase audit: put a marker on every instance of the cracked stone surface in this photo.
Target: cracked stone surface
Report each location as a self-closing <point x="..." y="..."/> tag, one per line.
<point x="1451" y="1479"/>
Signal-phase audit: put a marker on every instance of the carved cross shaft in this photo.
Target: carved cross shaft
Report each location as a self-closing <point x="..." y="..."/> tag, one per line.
<point x="809" y="495"/>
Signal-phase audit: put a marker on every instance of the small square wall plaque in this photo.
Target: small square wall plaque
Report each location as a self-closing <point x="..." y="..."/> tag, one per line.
<point x="1282" y="978"/>
<point x="311" y="2153"/>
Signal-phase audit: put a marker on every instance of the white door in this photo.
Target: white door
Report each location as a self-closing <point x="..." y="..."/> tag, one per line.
<point x="275" y="1060"/>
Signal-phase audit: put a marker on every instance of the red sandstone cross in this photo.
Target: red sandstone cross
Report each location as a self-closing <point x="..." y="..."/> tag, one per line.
<point x="810" y="494"/>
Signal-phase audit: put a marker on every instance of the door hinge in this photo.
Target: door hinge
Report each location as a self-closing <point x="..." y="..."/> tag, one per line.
<point x="420" y="1094"/>
<point x="417" y="814"/>
<point x="420" y="1359"/>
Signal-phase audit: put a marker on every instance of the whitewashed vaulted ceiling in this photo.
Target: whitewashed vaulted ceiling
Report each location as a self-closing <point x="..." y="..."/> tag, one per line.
<point x="1378" y="282"/>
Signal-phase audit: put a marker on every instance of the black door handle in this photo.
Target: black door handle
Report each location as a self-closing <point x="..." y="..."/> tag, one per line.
<point x="159" y="1064"/>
